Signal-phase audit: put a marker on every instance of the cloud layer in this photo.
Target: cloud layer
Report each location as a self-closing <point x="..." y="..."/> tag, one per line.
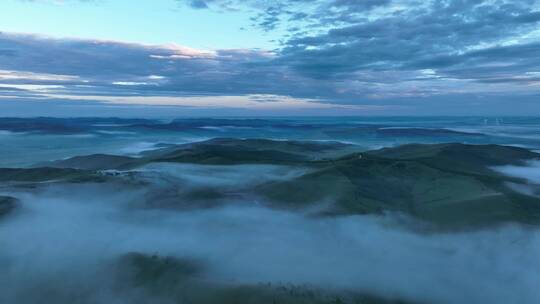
<point x="389" y="53"/>
<point x="93" y="225"/>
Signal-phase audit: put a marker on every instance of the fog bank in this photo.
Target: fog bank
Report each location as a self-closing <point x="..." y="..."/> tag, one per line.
<point x="69" y="236"/>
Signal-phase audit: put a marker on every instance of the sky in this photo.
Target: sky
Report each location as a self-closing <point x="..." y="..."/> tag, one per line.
<point x="266" y="58"/>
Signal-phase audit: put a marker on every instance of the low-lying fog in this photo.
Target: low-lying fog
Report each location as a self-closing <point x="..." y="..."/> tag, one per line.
<point x="66" y="237"/>
<point x="529" y="171"/>
<point x="222" y="176"/>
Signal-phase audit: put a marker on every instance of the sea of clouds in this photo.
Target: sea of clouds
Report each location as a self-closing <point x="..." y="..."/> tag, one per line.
<point x="64" y="239"/>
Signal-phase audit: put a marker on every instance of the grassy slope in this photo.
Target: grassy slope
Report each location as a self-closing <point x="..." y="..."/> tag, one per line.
<point x="450" y="185"/>
<point x="249" y="151"/>
<point x="220" y="151"/>
<point x="97" y="162"/>
<point x="182" y="281"/>
<point x="46" y="174"/>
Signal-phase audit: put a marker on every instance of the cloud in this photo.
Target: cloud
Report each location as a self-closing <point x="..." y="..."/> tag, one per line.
<point x="198" y="4"/>
<point x="342" y="37"/>
<point x="91" y="225"/>
<point x="438" y="36"/>
<point x="104" y="64"/>
<point x="87" y="68"/>
<point x="376" y="52"/>
<point x="270" y="14"/>
<point x="528" y="171"/>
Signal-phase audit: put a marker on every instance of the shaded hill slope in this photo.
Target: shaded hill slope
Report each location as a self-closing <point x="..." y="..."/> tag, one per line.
<point x="7" y="205"/>
<point x="450" y="185"/>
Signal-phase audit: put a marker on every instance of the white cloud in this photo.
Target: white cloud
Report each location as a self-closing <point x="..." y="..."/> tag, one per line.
<point x="31" y="76"/>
